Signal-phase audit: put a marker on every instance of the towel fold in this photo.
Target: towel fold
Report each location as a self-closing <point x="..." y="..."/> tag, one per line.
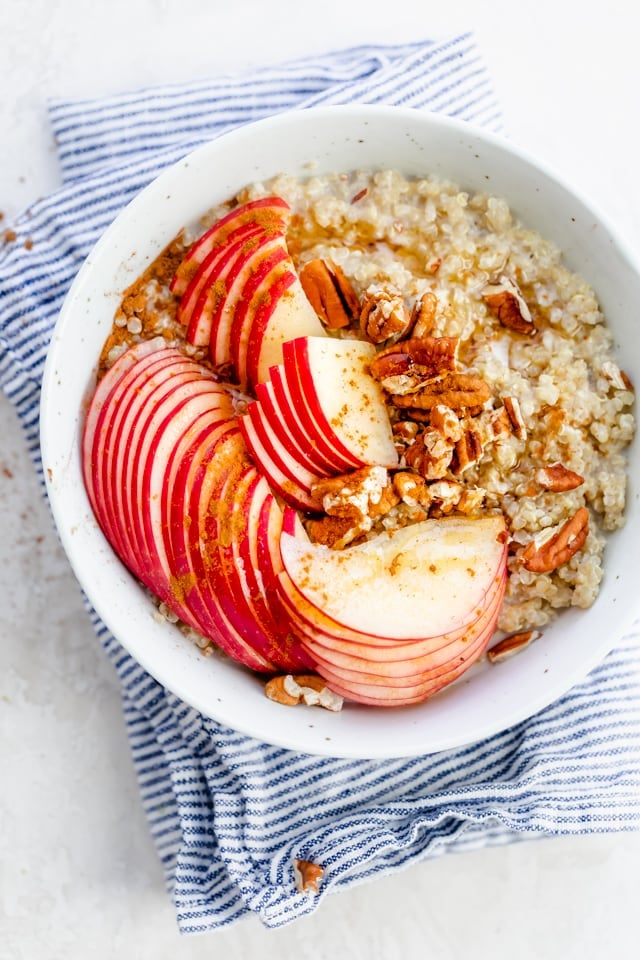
<point x="230" y="814"/>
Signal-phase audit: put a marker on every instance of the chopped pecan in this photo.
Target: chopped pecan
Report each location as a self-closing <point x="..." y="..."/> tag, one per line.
<point x="430" y="454"/>
<point x="506" y="302"/>
<point x="383" y="314"/>
<point x="307" y="876"/>
<point x="512" y="406"/>
<point x="558" y="545"/>
<point x="460" y="391"/>
<point x="445" y="495"/>
<point x="558" y="478"/>
<point x="330" y="293"/>
<point x="444" y="419"/>
<point x="290" y="690"/>
<point x="409" y="487"/>
<point x="423" y="315"/>
<point x="334" y="532"/>
<point x="509" y="646"/>
<point x="419" y="358"/>
<point x="361" y="494"/>
<point x="467" y="451"/>
<point x="405" y="431"/>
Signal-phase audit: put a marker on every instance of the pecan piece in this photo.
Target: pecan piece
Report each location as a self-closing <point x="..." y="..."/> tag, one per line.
<point x="383" y="313"/>
<point x="330" y="293"/>
<point x="512" y="406"/>
<point x="553" y="551"/>
<point x="460" y="391"/>
<point x="430" y="454"/>
<point x="467" y="451"/>
<point x="420" y="358"/>
<point x="509" y="646"/>
<point x="423" y="315"/>
<point x="307" y="876"/>
<point x="506" y="302"/>
<point x="558" y="478"/>
<point x="307" y="688"/>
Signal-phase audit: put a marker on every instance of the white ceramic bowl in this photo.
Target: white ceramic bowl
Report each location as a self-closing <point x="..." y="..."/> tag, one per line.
<point x="490" y="699"/>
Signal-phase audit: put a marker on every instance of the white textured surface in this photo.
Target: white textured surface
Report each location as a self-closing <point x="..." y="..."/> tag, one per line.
<point x="78" y="874"/>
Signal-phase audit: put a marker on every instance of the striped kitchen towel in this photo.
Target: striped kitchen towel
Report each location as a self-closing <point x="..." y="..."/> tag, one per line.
<point x="229" y="814"/>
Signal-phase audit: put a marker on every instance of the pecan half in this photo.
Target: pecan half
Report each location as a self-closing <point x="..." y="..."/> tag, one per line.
<point x="558" y="478"/>
<point x="307" y="876"/>
<point x="553" y="551"/>
<point x="419" y="357"/>
<point x="509" y="646"/>
<point x="506" y="302"/>
<point x="383" y="313"/>
<point x="460" y="391"/>
<point x="310" y="689"/>
<point x="330" y="293"/>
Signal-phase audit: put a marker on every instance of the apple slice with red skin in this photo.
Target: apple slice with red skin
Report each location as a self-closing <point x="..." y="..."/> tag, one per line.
<point x="328" y="640"/>
<point x="270" y="214"/>
<point x="106" y="447"/>
<point x="203" y="287"/>
<point x="342" y="398"/>
<point x="290" y="405"/>
<point x="150" y="472"/>
<point x="212" y="312"/>
<point x="444" y="566"/>
<point x="195" y="493"/>
<point x="101" y="396"/>
<point x="273" y="418"/>
<point x="256" y="430"/>
<point x="283" y="483"/>
<point x="132" y="430"/>
<point x="416" y="658"/>
<point x="284" y="314"/>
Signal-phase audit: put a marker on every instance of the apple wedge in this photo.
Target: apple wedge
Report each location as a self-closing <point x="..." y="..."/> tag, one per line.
<point x="341" y="400"/>
<point x="438" y="572"/>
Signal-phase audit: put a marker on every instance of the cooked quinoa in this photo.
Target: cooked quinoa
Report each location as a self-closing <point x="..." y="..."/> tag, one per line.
<point x="427" y="235"/>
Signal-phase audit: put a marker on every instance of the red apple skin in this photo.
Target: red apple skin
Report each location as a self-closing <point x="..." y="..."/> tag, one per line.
<point x="196" y="489"/>
<point x="250" y="305"/>
<point x="271" y="214"/>
<point x="388" y="669"/>
<point x="283" y="280"/>
<point x="288" y="404"/>
<point x="290" y="490"/>
<point x="320" y="435"/>
<point x="284" y="457"/>
<point x="133" y="431"/>
<point x="107" y="453"/>
<point x="276" y="423"/>
<point x="395" y="658"/>
<point x="212" y="269"/>
<point x="151" y="474"/>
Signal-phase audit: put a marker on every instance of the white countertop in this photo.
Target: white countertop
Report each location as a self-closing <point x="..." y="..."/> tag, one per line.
<point x="78" y="874"/>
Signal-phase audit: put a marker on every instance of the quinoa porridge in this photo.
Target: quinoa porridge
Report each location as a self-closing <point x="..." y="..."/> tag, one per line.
<point x="496" y="363"/>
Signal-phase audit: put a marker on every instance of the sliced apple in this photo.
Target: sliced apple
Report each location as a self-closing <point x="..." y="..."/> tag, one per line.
<point x="437" y="572"/>
<point x="270" y="214"/>
<point x="342" y="398"/>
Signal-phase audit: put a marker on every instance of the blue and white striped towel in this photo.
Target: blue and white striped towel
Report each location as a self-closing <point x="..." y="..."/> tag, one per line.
<point x="230" y="814"/>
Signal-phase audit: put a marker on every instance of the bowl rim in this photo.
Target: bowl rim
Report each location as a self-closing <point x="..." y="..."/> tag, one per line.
<point x="557" y="687"/>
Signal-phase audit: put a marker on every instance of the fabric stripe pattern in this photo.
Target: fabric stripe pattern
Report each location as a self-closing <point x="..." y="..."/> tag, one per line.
<point x="229" y="814"/>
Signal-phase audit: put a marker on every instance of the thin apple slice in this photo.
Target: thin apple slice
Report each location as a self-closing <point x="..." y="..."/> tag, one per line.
<point x="344" y="400"/>
<point x="285" y="484"/>
<point x="440" y="569"/>
<point x="208" y="283"/>
<point x="254" y="425"/>
<point x="277" y="424"/>
<point x="291" y="406"/>
<point x="270" y="214"/>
